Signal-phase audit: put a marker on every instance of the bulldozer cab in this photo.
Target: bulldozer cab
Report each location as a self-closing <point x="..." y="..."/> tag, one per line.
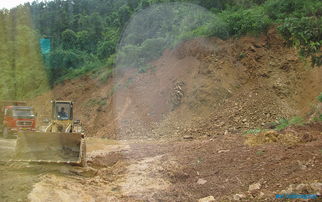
<point x="62" y="110"/>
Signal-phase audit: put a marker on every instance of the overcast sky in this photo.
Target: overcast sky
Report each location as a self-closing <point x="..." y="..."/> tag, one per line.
<point x="11" y="3"/>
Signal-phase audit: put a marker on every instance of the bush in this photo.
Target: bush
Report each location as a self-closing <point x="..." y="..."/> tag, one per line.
<point x="105" y="49"/>
<point x="136" y="56"/>
<point x="284" y="123"/>
<point x="61" y="64"/>
<point x="319" y="118"/>
<point x="129" y="56"/>
<point x="68" y="64"/>
<point x="244" y="4"/>
<point x="111" y="60"/>
<point x="277" y="9"/>
<point x="320" y="97"/>
<point x="65" y="59"/>
<point x="74" y="73"/>
<point x="152" y="49"/>
<point x="217" y="27"/>
<point x="96" y="102"/>
<point x="306" y="34"/>
<point x="241" y="22"/>
<point x="253" y="131"/>
<point x="105" y="75"/>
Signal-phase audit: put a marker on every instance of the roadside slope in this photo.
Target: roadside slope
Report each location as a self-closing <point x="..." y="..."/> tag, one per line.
<point x="202" y="87"/>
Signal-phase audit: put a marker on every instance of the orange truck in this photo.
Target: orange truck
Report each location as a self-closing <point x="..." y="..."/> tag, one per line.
<point x="16" y="116"/>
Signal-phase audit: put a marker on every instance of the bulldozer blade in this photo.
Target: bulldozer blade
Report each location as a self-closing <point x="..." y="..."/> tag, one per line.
<point x="50" y="148"/>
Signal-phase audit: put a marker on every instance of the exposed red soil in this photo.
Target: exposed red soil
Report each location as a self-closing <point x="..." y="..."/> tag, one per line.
<point x="202" y="87"/>
<point x="228" y="166"/>
<point x="274" y="166"/>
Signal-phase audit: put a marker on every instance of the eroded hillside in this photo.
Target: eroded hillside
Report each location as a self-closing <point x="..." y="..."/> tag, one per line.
<point x="203" y="86"/>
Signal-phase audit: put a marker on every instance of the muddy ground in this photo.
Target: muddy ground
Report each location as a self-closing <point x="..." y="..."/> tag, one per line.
<point x="222" y="166"/>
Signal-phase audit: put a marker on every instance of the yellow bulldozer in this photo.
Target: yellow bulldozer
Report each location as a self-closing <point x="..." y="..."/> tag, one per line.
<point x="61" y="141"/>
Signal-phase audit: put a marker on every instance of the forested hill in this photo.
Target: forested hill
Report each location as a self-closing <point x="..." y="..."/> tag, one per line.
<point x="84" y="34"/>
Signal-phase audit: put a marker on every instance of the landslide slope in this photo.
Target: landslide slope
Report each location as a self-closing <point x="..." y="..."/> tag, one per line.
<point x="204" y="86"/>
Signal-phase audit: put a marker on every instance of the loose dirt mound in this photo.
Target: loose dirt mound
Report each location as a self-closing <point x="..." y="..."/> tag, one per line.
<point x="224" y="166"/>
<point x="291" y="136"/>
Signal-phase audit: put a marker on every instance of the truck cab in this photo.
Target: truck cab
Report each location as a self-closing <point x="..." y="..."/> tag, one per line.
<point x="17" y="118"/>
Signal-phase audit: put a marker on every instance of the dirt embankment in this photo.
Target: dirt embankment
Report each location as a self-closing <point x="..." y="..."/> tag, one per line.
<point x="202" y="87"/>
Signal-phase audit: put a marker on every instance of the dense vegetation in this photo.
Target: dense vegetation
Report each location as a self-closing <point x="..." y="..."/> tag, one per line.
<point x="22" y="73"/>
<point x="85" y="34"/>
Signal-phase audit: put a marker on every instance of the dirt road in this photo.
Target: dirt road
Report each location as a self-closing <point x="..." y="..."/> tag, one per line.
<point x="174" y="170"/>
<point x="7" y="147"/>
<point x="15" y="183"/>
<point x="111" y="175"/>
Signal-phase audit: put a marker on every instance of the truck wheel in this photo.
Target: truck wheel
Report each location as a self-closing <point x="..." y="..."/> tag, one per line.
<point x="5" y="133"/>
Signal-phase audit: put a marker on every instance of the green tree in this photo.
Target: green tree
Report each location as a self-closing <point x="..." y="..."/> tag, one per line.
<point x="245" y="21"/>
<point x="22" y="69"/>
<point x="69" y="39"/>
<point x="83" y="40"/>
<point x="105" y="49"/>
